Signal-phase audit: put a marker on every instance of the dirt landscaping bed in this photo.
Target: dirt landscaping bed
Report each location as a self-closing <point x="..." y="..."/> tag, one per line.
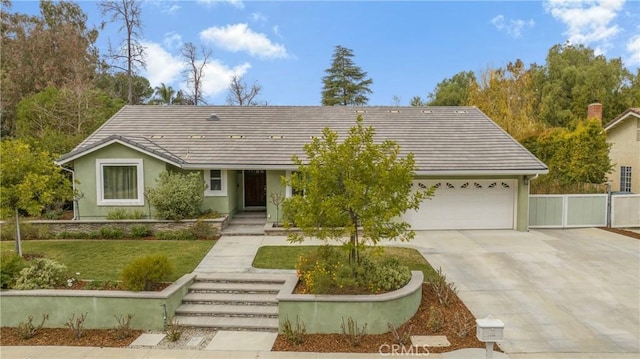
<point x="624" y="232"/>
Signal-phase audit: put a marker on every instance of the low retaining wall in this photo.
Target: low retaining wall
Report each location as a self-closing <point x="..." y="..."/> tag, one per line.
<point x="17" y="305"/>
<point x="324" y="313"/>
<point x="55" y="227"/>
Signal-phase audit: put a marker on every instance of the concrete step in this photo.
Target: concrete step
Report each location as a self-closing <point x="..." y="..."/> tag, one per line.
<point x="248" y="221"/>
<point x="244" y="230"/>
<point x="257" y="214"/>
<point x="243" y="277"/>
<point x="214" y="310"/>
<point x="204" y="287"/>
<point x="229" y="323"/>
<point x="219" y="298"/>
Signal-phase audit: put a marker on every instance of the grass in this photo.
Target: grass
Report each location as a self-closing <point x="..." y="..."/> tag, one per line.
<point x="285" y="257"/>
<point x="104" y="259"/>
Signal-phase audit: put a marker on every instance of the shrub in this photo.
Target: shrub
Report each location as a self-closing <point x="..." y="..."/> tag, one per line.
<point x="463" y="323"/>
<point x="143" y="272"/>
<point x="445" y="291"/>
<point x="204" y="230"/>
<point x="177" y="195"/>
<point x="77" y="325"/>
<point x="179" y="235"/>
<point x="387" y="276"/>
<point x="76" y="235"/>
<point x="173" y="330"/>
<point x="352" y="332"/>
<point x="122" y="330"/>
<point x="140" y="231"/>
<point x="101" y="285"/>
<point x="10" y="267"/>
<point x="122" y="213"/>
<point x="27" y="330"/>
<point x="436" y="319"/>
<point x="109" y="232"/>
<point x="401" y="337"/>
<point x="209" y="214"/>
<point x="319" y="270"/>
<point x="294" y="334"/>
<point x="53" y="214"/>
<point x="42" y="273"/>
<point x="28" y="231"/>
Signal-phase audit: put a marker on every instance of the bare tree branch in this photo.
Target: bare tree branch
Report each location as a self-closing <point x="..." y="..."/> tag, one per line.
<point x="241" y="95"/>
<point x="195" y="70"/>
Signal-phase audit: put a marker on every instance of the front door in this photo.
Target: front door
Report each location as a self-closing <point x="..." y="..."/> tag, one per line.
<point x="255" y="188"/>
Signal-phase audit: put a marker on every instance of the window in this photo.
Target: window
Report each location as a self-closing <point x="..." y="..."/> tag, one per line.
<point x="625" y="178"/>
<point x="216" y="183"/>
<point x="120" y="182"/>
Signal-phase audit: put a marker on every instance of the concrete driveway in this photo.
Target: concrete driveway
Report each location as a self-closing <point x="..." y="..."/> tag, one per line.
<point x="557" y="291"/>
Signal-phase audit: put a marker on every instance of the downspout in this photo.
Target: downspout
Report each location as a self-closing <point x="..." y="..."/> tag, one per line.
<point x="73" y="183"/>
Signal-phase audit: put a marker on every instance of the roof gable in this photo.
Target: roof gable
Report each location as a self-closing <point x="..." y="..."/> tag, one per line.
<point x="453" y="140"/>
<point x="633" y="112"/>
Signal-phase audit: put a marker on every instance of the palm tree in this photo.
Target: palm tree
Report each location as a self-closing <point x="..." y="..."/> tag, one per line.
<point x="163" y="95"/>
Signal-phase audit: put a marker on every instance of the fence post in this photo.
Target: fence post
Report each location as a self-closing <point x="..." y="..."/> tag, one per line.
<point x="609" y="204"/>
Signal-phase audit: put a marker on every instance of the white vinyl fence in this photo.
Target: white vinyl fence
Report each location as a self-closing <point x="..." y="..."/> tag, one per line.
<point x="625" y="210"/>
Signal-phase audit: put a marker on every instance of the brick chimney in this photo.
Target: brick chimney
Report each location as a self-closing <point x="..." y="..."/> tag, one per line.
<point x="594" y="110"/>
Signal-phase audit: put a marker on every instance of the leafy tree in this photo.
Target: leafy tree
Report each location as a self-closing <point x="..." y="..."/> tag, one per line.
<point x="417" y="101"/>
<point x="177" y="196"/>
<point x="56" y="120"/>
<point x="54" y="49"/>
<point x="29" y="182"/>
<point x="195" y="70"/>
<point x="166" y="95"/>
<point x="240" y="94"/>
<point x="345" y="83"/>
<point x="507" y="96"/>
<point x="117" y="86"/>
<point x="453" y="91"/>
<point x="350" y="184"/>
<point x="573" y="77"/>
<point x="130" y="54"/>
<point x="573" y="157"/>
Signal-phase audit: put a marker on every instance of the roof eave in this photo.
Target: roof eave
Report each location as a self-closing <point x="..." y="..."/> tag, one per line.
<point x="523" y="172"/>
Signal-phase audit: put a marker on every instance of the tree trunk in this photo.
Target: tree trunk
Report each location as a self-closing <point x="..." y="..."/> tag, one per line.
<point x="18" y="239"/>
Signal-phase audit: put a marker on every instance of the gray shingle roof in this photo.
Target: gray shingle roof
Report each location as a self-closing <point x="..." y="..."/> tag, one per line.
<point x="443" y="139"/>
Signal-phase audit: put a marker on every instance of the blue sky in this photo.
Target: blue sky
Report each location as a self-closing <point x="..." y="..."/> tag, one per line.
<point x="406" y="47"/>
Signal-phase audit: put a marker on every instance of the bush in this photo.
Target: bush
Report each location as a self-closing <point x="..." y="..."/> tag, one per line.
<point x="76" y="324"/>
<point x="122" y="330"/>
<point x="387" y="276"/>
<point x="294" y="334"/>
<point x="73" y="235"/>
<point x="173" y="330"/>
<point x="177" y="196"/>
<point x="445" y="291"/>
<point x="122" y="213"/>
<point x="140" y="231"/>
<point x="179" y="235"/>
<point x="352" y="333"/>
<point x="144" y="272"/>
<point x="204" y="230"/>
<point x="42" y="273"/>
<point x="54" y="214"/>
<point x="10" y="267"/>
<point x="28" y="231"/>
<point x="109" y="232"/>
<point x="436" y="319"/>
<point x="27" y="330"/>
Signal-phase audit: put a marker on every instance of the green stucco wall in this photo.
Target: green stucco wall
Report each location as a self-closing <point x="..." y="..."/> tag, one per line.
<point x="274" y="185"/>
<point x="100" y="306"/>
<point x="85" y="174"/>
<point x="324" y="313"/>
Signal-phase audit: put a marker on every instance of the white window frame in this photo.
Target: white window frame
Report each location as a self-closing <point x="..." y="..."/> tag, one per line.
<point x="626" y="173"/>
<point x="223" y="183"/>
<point x="107" y="162"/>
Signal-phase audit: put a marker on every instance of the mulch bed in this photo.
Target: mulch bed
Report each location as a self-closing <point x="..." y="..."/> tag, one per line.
<point x="337" y="343"/>
<point x="624" y="232"/>
<point x="65" y="337"/>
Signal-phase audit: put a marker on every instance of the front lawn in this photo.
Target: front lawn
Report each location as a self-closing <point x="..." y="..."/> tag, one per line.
<point x="104" y="259"/>
<point x="286" y="257"/>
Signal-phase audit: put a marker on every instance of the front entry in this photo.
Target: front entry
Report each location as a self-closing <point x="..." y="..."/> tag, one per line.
<point x="255" y="188"/>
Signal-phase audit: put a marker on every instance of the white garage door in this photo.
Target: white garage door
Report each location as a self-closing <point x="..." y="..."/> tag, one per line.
<point x="465" y="204"/>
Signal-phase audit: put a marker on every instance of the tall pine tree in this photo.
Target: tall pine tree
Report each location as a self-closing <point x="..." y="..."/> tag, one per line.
<point x="345" y="84"/>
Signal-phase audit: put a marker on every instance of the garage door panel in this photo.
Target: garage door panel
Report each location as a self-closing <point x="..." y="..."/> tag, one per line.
<point x="462" y="204"/>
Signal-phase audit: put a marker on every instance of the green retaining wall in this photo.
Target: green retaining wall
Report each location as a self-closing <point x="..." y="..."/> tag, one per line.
<point x="101" y="306"/>
<point x="324" y="313"/>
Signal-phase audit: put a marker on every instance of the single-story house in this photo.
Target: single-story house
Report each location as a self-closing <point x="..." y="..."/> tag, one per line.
<point x="623" y="133"/>
<point x="482" y="174"/>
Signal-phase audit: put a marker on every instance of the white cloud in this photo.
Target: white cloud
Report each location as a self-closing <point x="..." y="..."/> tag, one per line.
<point x="172" y="40"/>
<point x="167" y="7"/>
<point x="587" y="21"/>
<point x="240" y="37"/>
<point x="171" y="9"/>
<point x="162" y="67"/>
<point x="633" y="48"/>
<point x="258" y="17"/>
<point x="276" y="30"/>
<point x="513" y="27"/>
<point x="217" y="76"/>
<point x="235" y="3"/>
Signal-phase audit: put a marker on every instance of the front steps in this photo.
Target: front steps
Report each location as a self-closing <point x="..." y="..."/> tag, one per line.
<point x="246" y="224"/>
<point x="232" y="301"/>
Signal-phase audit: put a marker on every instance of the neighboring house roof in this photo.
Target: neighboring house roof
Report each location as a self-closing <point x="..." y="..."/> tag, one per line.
<point x="629" y="113"/>
<point x="444" y="140"/>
